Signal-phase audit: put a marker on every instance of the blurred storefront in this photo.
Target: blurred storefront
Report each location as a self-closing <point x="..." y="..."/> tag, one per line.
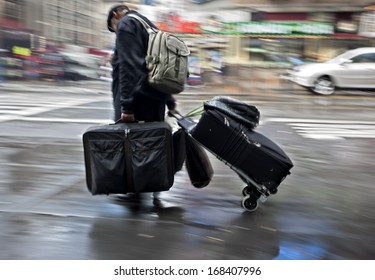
<point x="261" y="33"/>
<point x="280" y="39"/>
<point x="280" y="33"/>
<point x="19" y="52"/>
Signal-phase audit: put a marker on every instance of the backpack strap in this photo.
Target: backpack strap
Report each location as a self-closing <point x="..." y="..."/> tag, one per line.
<point x="144" y="23"/>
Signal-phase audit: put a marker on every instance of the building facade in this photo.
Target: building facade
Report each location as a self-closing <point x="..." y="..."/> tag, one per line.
<point x="242" y="31"/>
<point x="61" y="21"/>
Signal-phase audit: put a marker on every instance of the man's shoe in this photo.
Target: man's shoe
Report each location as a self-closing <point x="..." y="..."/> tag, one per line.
<point x="157" y="203"/>
<point x="130" y="197"/>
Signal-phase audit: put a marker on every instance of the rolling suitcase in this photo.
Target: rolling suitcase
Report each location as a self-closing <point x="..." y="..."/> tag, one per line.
<point x="128" y="157"/>
<point x="260" y="162"/>
<point x="248" y="150"/>
<point x="226" y="129"/>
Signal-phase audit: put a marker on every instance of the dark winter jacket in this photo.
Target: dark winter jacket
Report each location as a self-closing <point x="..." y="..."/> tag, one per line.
<point x="129" y="68"/>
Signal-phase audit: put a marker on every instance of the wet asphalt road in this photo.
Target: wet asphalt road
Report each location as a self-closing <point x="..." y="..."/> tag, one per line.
<point x="323" y="210"/>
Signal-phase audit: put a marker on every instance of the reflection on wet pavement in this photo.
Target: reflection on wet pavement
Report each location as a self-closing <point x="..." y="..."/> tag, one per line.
<point x="323" y="211"/>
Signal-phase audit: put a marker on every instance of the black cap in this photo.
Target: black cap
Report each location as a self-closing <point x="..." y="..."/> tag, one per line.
<point x="110" y="14"/>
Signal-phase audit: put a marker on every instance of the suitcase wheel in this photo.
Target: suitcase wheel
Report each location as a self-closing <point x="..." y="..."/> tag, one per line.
<point x="250" y="200"/>
<point x="249" y="203"/>
<point x="251" y="191"/>
<point x="247" y="191"/>
<point x="273" y="191"/>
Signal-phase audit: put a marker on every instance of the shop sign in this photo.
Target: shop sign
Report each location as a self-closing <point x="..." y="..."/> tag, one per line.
<point x="275" y="28"/>
<point x="347" y="26"/>
<point x="21" y="51"/>
<point x="173" y="23"/>
<point x="180" y="27"/>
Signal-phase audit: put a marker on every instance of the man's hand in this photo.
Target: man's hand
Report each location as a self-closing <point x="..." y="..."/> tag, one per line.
<point x="173" y="112"/>
<point x="127" y="117"/>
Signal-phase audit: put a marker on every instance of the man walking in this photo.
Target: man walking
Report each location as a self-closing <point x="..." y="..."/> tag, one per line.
<point x="133" y="98"/>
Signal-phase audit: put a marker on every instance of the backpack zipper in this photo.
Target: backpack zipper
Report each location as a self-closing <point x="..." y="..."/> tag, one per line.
<point x="177" y="64"/>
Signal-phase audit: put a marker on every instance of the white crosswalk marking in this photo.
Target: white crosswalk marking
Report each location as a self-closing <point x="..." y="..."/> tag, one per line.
<point x="329" y="129"/>
<point x="20" y="106"/>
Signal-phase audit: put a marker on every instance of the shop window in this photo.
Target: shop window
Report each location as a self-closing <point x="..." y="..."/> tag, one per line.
<point x="13" y="9"/>
<point x="276" y="51"/>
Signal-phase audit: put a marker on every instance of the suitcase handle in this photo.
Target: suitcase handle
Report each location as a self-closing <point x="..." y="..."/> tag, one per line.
<point x="175" y="114"/>
<point x="121" y="121"/>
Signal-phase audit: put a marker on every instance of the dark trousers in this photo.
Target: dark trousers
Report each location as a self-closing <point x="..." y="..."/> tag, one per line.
<point x="145" y="108"/>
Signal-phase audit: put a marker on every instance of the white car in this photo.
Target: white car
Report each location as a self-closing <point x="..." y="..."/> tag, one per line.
<point x="352" y="69"/>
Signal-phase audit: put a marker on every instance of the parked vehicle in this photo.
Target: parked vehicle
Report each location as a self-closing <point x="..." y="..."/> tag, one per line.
<point x="51" y="66"/>
<point x="352" y="69"/>
<point x="80" y="67"/>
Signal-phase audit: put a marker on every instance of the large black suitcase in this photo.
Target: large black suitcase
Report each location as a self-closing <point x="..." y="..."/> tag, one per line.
<point x="249" y="152"/>
<point x="129" y="157"/>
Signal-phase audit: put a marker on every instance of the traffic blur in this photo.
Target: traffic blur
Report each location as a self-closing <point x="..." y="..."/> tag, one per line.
<point x="48" y="65"/>
<point x="352" y="69"/>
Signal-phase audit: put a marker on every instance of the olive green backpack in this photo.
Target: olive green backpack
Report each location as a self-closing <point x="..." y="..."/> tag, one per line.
<point x="166" y="60"/>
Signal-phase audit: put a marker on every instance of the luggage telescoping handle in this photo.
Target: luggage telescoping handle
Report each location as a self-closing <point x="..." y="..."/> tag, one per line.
<point x="175" y="114"/>
<point x="194" y="113"/>
<point x="185" y="122"/>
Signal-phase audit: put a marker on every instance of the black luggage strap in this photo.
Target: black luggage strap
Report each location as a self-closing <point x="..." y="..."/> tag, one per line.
<point x="128" y="163"/>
